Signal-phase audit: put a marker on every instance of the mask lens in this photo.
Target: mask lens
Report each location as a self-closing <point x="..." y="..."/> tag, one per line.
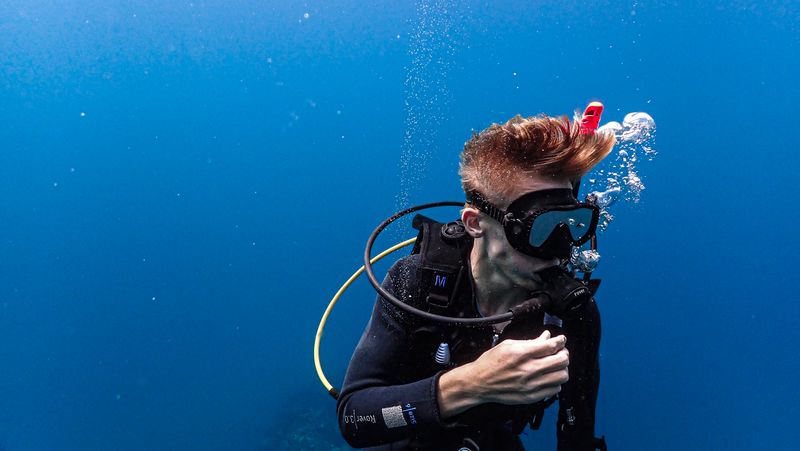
<point x="578" y="220"/>
<point x="579" y="223"/>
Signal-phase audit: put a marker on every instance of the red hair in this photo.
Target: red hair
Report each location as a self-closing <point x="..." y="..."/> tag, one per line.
<point x="495" y="160"/>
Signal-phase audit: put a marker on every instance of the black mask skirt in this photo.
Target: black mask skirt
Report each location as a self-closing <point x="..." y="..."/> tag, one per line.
<point x="543" y="224"/>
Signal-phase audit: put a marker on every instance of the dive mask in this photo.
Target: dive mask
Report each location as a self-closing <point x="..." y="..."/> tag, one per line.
<point x="543" y="224"/>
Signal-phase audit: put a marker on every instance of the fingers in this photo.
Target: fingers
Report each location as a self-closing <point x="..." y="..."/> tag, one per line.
<point x="545" y="335"/>
<point x="547" y="383"/>
<point x="543" y="347"/>
<point x="532" y="359"/>
<point x="520" y="351"/>
<point x="555" y="343"/>
<point x="554" y="362"/>
<point x="544" y="393"/>
<point x="554" y="379"/>
<point x="543" y="366"/>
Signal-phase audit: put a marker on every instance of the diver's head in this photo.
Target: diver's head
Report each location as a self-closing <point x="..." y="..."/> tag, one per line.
<point x="498" y="160"/>
<point x="525" y="168"/>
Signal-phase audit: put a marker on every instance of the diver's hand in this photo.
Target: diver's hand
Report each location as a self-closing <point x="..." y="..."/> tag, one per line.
<point x="513" y="372"/>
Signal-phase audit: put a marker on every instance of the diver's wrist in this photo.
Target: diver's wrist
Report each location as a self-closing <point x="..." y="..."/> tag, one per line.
<point x="457" y="392"/>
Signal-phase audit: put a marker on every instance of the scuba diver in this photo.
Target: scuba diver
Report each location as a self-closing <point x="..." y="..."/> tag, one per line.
<point x="486" y="323"/>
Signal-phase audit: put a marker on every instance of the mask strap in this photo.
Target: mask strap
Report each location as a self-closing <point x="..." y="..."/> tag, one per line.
<point x="478" y="200"/>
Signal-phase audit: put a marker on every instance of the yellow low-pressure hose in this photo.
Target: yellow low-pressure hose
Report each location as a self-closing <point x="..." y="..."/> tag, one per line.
<point x="333" y="391"/>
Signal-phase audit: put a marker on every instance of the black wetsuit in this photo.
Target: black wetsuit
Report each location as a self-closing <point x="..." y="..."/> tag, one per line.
<point x="389" y="397"/>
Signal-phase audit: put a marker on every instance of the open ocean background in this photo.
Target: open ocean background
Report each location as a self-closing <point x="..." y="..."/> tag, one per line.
<point x="184" y="185"/>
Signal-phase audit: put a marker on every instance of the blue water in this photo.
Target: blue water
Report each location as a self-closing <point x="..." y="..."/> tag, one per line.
<point x="184" y="185"/>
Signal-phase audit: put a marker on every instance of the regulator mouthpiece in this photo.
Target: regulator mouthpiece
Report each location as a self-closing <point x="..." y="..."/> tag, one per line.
<point x="561" y="295"/>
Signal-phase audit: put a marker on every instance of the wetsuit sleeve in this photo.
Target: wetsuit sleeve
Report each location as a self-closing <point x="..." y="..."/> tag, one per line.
<point x="381" y="401"/>
<point x="578" y="397"/>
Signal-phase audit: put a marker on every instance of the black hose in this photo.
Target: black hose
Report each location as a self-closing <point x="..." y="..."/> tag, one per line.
<point x="405" y="307"/>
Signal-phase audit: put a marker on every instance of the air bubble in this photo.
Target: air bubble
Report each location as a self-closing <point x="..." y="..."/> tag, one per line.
<point x="584" y="260"/>
<point x="431" y="50"/>
<point x="635" y="138"/>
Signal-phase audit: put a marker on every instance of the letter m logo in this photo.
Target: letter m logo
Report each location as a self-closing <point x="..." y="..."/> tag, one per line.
<point x="440" y="281"/>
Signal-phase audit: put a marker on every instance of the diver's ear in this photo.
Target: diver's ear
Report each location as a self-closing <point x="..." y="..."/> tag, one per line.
<point x="471" y="217"/>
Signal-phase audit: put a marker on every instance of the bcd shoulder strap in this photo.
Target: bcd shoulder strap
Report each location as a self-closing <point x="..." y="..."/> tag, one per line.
<point x="442" y="272"/>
